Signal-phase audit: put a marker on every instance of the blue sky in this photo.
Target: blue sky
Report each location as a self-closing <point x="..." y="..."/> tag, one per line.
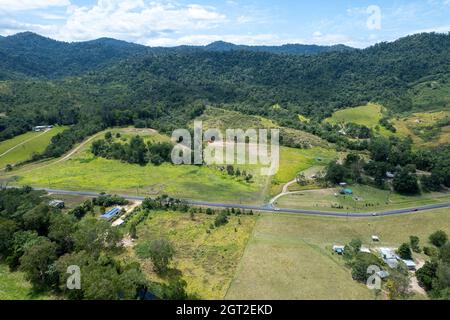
<point x="271" y="22"/>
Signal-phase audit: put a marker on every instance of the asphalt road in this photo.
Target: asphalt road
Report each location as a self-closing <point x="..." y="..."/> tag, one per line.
<point x="270" y="208"/>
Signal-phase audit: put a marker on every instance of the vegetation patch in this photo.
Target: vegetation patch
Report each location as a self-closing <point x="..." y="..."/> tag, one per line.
<point x="206" y="256"/>
<point x="290" y="257"/>
<point x="22" y="148"/>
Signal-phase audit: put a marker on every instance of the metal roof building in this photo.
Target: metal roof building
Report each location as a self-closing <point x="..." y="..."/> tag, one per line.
<point x="110" y="214"/>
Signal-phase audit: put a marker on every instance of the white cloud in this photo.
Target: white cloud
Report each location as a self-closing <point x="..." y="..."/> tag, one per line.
<point x="204" y="39"/>
<point x="24" y="5"/>
<point x="135" y="20"/>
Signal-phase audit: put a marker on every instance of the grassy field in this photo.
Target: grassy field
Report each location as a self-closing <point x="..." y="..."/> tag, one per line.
<point x="83" y="171"/>
<point x="207" y="261"/>
<point x="22" y="147"/>
<point x="368" y="115"/>
<point x="364" y="199"/>
<point x="13" y="286"/>
<point x="431" y="95"/>
<point x="290" y="257"/>
<point x="224" y="119"/>
<point x="422" y="128"/>
<point x="294" y="161"/>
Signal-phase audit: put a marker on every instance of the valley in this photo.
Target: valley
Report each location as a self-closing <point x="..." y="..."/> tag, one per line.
<point x="363" y="168"/>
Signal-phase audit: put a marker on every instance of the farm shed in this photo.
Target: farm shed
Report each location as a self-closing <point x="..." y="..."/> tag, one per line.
<point x="57" y="204"/>
<point x="110" y="214"/>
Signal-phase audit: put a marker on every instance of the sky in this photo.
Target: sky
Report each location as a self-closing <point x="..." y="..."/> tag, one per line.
<point x="357" y="23"/>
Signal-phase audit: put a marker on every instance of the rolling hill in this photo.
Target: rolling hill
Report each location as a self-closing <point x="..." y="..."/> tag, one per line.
<point x="166" y="91"/>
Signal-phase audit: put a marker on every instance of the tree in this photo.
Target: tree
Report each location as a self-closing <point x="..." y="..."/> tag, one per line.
<point x="414" y="243"/>
<point x="432" y="182"/>
<point x="356" y="245"/>
<point x="136" y="151"/>
<point x="404" y="251"/>
<point x="81" y="259"/>
<point x="380" y="149"/>
<point x="427" y="274"/>
<point x="405" y="182"/>
<point x="94" y="236"/>
<point x="61" y="232"/>
<point x="336" y="173"/>
<point x="398" y="284"/>
<point x="21" y="241"/>
<point x="443" y="276"/>
<point x="36" y="263"/>
<point x="161" y="253"/>
<point x="361" y="264"/>
<point x="100" y="282"/>
<point x="133" y="231"/>
<point x="444" y="253"/>
<point x="130" y="282"/>
<point x="439" y="238"/>
<point x="7" y="230"/>
<point x="175" y="290"/>
<point x="221" y="219"/>
<point x="38" y="219"/>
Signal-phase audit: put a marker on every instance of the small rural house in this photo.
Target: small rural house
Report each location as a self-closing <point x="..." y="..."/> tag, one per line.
<point x="390" y="175"/>
<point x="118" y="222"/>
<point x="339" y="249"/>
<point x="389" y="256"/>
<point x="41" y="128"/>
<point x="375" y="238"/>
<point x="364" y="250"/>
<point x="57" y="204"/>
<point x="111" y="214"/>
<point x="411" y="265"/>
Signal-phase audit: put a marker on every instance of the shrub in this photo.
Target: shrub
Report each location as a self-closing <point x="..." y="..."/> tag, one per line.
<point x="439" y="238"/>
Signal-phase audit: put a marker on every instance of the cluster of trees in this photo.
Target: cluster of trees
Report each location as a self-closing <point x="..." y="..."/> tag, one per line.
<point x="43" y="242"/>
<point x="107" y="200"/>
<point x="434" y="276"/>
<point x="349" y="171"/>
<point x="387" y="124"/>
<point x="165" y="202"/>
<point x="356" y="131"/>
<point x="394" y="155"/>
<point x="136" y="151"/>
<point x="397" y="285"/>
<point x="231" y="171"/>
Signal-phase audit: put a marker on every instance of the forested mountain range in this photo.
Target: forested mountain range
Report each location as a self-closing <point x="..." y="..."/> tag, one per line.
<point x="29" y="54"/>
<point x="124" y="84"/>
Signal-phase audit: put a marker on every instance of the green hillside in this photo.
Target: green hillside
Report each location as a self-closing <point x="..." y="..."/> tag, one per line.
<point x="22" y="148"/>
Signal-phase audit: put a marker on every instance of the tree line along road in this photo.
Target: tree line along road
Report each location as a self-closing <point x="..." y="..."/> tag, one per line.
<point x="268" y="207"/>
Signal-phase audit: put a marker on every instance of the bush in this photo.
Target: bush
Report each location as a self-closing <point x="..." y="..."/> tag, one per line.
<point x="414" y="243"/>
<point x="362" y="262"/>
<point x="426" y="274"/>
<point x="221" y="219"/>
<point x="439" y="238"/>
<point x="108" y="201"/>
<point x="405" y="252"/>
<point x="430" y="251"/>
<point x="161" y="253"/>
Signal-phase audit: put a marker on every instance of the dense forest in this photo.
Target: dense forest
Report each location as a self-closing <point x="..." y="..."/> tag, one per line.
<point x="132" y="85"/>
<point x="28" y="54"/>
